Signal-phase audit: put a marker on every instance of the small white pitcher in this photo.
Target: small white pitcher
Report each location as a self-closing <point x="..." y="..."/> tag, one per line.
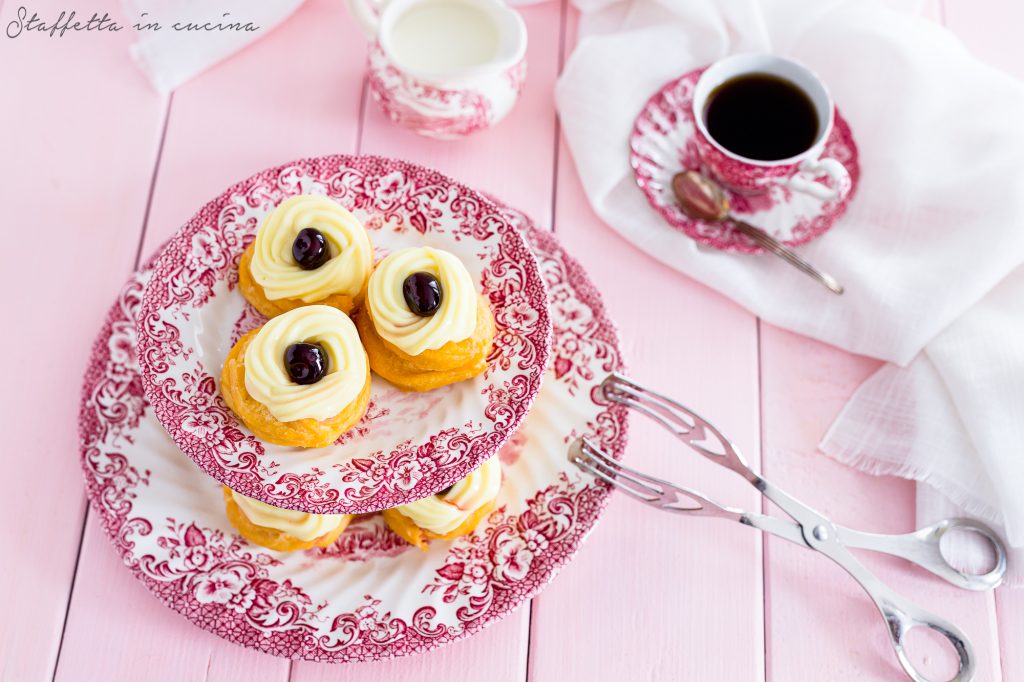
<point x="444" y="68"/>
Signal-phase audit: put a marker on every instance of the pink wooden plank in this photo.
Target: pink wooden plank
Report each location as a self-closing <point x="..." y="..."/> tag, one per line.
<point x="498" y="653"/>
<point x="518" y="169"/>
<point x="820" y="624"/>
<point x="653" y="596"/>
<point x="294" y="93"/>
<point x="74" y="191"/>
<point x="1010" y="610"/>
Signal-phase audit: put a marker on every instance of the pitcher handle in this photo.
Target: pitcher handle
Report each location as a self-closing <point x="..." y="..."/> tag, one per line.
<point x="367" y="13"/>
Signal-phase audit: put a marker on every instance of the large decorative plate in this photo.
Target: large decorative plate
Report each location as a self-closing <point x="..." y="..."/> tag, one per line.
<point x="662" y="144"/>
<point x="409" y="445"/>
<point x="370" y="596"/>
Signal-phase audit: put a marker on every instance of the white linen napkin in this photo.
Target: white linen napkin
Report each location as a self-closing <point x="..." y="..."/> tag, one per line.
<point x="170" y="57"/>
<point x="952" y="419"/>
<point x="936" y="224"/>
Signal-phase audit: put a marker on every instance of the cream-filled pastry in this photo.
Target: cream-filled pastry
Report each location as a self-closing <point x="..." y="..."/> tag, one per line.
<point x="451" y="513"/>
<point x="421" y="299"/>
<point x="274" y="354"/>
<point x="423" y="323"/>
<point x="284" y="530"/>
<point x="309" y="249"/>
<point x="303" y="378"/>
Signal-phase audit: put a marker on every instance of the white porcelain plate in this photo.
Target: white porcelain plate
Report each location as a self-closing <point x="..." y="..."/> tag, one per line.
<point x="409" y="445"/>
<point x="369" y="596"/>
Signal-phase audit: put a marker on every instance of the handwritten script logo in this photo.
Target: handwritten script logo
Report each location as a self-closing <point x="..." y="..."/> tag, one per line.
<point x="69" y="21"/>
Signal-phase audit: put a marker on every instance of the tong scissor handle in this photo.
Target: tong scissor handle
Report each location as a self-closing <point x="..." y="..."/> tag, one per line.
<point x="901" y="615"/>
<point x="681" y="421"/>
<point x="923" y="547"/>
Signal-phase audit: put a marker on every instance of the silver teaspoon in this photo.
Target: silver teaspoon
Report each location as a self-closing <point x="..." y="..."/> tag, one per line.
<point x="702" y="199"/>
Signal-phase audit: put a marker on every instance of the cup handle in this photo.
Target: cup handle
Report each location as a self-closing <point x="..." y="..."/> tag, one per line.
<point x="367" y="13"/>
<point x="805" y="179"/>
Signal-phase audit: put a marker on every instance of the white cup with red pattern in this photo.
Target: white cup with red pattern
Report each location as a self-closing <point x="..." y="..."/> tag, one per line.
<point x="444" y="68"/>
<point x="803" y="167"/>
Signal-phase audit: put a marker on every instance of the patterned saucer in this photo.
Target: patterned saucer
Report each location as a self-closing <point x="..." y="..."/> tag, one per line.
<point x="369" y="596"/>
<point x="663" y="144"/>
<point x="409" y="445"/>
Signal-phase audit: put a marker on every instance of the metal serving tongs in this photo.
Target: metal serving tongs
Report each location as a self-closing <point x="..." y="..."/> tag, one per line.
<point x="809" y="528"/>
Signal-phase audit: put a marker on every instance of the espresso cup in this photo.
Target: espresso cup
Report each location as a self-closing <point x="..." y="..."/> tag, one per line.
<point x="801" y="172"/>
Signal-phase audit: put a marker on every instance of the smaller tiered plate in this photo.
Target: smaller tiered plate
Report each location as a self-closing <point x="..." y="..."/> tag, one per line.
<point x="409" y="445"/>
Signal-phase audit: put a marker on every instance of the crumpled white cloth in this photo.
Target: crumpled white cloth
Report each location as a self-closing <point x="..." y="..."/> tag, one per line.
<point x="952" y="419"/>
<point x="169" y="57"/>
<point x="926" y="250"/>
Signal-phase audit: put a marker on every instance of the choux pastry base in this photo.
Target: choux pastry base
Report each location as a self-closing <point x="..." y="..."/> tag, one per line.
<point x="256" y="296"/>
<point x="275" y="539"/>
<point x="307" y="433"/>
<point x="449" y="364"/>
<point x="414" y="535"/>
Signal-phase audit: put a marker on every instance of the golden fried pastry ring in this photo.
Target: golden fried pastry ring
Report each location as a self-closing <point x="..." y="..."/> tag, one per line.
<point x="271" y="538"/>
<point x="414" y="535"/>
<point x="453" y="362"/>
<point x="256" y="296"/>
<point x="307" y="433"/>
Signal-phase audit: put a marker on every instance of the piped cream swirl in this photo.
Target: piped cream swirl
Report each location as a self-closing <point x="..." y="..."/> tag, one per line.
<point x="442" y="514"/>
<point x="298" y="524"/>
<point x="455" y="320"/>
<point x="266" y="377"/>
<point x="274" y="268"/>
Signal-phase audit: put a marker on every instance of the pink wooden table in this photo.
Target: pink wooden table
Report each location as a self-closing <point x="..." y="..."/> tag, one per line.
<point x="97" y="170"/>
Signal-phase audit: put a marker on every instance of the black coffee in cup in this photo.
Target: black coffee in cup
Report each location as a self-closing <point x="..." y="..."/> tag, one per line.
<point x="761" y="116"/>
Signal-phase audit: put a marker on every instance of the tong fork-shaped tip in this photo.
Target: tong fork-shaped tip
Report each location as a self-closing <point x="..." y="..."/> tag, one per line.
<point x="648" y="489"/>
<point x="584" y="454"/>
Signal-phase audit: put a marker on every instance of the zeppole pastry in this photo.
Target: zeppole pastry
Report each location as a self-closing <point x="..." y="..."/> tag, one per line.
<point x="308" y="250"/>
<point x="451" y="513"/>
<point x="423" y="324"/>
<point x="283" y="530"/>
<point x="301" y="379"/>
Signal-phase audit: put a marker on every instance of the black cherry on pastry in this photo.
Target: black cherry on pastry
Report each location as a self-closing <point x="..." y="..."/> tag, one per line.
<point x="422" y="293"/>
<point x="306" y="363"/>
<point x="310" y="249"/>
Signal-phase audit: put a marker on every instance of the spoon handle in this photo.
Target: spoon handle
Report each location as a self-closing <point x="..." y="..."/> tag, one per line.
<point x="782" y="251"/>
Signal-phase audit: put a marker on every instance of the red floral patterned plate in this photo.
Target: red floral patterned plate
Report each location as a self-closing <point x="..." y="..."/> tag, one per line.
<point x="369" y="596"/>
<point x="409" y="445"/>
<point x="662" y="144"/>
